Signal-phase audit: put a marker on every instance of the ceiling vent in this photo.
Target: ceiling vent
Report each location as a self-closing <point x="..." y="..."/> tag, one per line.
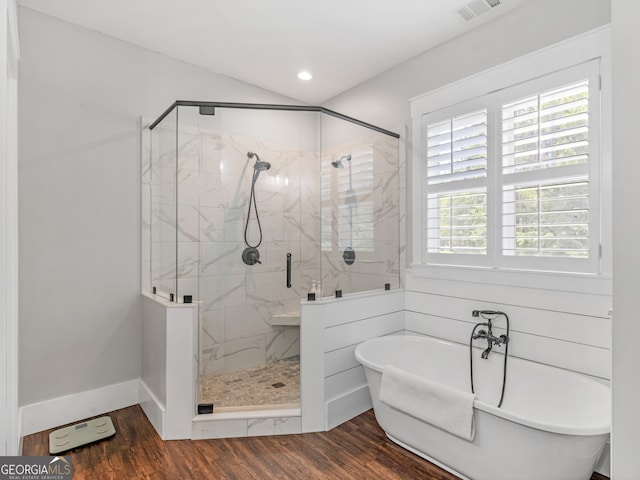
<point x="476" y="8"/>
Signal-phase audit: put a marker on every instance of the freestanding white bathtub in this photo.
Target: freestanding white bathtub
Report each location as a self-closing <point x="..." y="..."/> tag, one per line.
<point x="553" y="424"/>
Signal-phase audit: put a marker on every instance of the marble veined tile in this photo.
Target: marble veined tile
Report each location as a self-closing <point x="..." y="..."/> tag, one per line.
<point x="165" y="261"/>
<point x="188" y="151"/>
<point x="188" y="187"/>
<point x="275" y="256"/>
<point x="188" y="259"/>
<point x="164" y="186"/>
<point x="222" y="291"/>
<point x="211" y="224"/>
<point x="234" y="222"/>
<point x="283" y="342"/>
<point x="386" y="189"/>
<point x="188" y="286"/>
<point x="388" y="227"/>
<point x="260" y="426"/>
<point x="166" y="146"/>
<point x="385" y="154"/>
<point x="271" y="223"/>
<point x="288" y="425"/>
<point x="267" y="286"/>
<point x="164" y="223"/>
<point x="221" y="258"/>
<point x="247" y="321"/>
<point x="211" y="153"/>
<point x="213" y="191"/>
<point x="274" y="426"/>
<point x="187" y="223"/>
<point x="212" y="327"/>
<point x="236" y="355"/>
<point x="219" y="429"/>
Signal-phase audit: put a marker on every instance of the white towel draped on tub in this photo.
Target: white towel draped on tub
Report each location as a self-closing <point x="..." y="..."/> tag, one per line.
<point x="440" y="405"/>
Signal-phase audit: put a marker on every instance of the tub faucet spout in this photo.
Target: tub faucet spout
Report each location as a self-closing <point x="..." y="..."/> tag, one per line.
<point x="485" y="354"/>
<point x="490" y="341"/>
<point x="487" y="334"/>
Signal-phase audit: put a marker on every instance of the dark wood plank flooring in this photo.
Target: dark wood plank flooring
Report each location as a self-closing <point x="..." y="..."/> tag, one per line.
<point x="356" y="450"/>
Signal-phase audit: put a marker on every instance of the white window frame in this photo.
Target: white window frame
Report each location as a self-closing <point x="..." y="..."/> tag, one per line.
<point x="554" y="62"/>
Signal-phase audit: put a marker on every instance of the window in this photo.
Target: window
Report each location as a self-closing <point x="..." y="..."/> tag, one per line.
<point x="510" y="179"/>
<point x="456" y="156"/>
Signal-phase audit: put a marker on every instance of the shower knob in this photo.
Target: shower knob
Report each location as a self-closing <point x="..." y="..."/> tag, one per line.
<point x="251" y="256"/>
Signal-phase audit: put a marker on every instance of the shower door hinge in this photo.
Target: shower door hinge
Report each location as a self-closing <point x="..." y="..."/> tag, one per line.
<point x="600" y="251"/>
<point x="207" y="110"/>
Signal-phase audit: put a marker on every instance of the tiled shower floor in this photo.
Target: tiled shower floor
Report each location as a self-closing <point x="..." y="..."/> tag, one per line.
<point x="276" y="383"/>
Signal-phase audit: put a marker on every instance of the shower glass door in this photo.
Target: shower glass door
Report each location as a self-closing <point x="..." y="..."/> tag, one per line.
<point x="249" y="340"/>
<point x="323" y="219"/>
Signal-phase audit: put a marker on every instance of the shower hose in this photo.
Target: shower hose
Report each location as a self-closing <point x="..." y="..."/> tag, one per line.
<point x="506" y="351"/>
<point x="252" y="200"/>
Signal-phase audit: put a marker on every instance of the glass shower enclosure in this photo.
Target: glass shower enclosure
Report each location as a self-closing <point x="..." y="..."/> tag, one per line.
<point x="251" y="209"/>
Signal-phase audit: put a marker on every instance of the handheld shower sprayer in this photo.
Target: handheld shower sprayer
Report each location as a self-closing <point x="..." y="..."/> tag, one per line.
<point x="250" y="255"/>
<point x="259" y="166"/>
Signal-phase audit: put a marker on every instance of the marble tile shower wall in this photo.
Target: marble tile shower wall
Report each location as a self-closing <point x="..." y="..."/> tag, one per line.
<point x="375" y="182"/>
<point x="158" y="197"/>
<point x="210" y="201"/>
<point x="237" y="301"/>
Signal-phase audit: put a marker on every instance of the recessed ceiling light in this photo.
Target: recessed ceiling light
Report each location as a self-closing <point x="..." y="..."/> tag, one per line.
<point x="305" y="76"/>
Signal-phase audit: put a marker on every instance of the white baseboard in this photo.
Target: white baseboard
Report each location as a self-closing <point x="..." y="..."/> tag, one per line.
<point x="72" y="408"/>
<point x="348" y="406"/>
<point x="153" y="408"/>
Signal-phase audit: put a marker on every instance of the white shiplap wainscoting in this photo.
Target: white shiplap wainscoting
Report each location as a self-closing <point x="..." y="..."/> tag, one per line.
<point x="334" y="389"/>
<point x="564" y="329"/>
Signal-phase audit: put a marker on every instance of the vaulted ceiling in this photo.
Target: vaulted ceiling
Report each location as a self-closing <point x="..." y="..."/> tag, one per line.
<point x="342" y="43"/>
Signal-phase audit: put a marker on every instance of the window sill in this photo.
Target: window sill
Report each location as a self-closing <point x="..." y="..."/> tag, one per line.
<point x="556" y="281"/>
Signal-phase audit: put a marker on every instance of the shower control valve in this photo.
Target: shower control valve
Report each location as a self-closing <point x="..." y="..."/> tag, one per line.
<point x="251" y="256"/>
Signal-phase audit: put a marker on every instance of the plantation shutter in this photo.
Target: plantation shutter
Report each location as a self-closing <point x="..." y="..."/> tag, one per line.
<point x="455" y="186"/>
<point x="545" y="159"/>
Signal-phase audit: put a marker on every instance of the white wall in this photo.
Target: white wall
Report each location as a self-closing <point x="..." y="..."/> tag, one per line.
<point x="626" y="261"/>
<point x="561" y="326"/>
<point x="9" y="54"/>
<point x="557" y="341"/>
<point x="384" y="100"/>
<point x="81" y="98"/>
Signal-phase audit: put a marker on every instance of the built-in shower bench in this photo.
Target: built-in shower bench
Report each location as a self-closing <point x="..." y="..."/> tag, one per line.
<point x="287" y="319"/>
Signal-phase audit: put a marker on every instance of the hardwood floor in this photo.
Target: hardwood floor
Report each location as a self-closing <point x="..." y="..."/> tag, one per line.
<point x="356" y="450"/>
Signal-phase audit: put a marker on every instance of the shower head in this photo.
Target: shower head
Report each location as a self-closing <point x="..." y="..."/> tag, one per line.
<point x="259" y="166"/>
<point x="338" y="163"/>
